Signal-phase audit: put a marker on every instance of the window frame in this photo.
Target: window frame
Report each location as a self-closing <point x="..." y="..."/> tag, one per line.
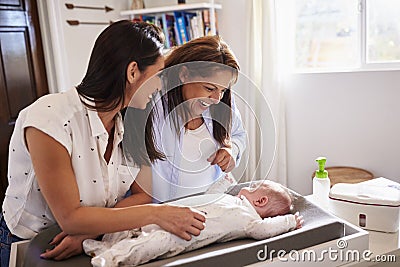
<point x="363" y="65"/>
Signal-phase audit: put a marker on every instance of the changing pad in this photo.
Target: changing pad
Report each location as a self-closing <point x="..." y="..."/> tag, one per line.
<point x="319" y="227"/>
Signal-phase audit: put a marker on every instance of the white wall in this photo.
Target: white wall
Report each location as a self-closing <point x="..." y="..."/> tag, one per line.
<point x="68" y="48"/>
<point x="233" y="25"/>
<point x="351" y="118"/>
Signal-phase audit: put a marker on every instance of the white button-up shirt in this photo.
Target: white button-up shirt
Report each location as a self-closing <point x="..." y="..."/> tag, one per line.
<point x="63" y="117"/>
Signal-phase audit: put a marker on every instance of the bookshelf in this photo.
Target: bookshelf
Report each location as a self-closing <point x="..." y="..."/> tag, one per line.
<point x="165" y="9"/>
<point x="160" y="13"/>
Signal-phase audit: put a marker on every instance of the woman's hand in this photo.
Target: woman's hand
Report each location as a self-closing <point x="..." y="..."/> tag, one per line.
<point x="223" y="158"/>
<point x="65" y="246"/>
<point x="181" y="221"/>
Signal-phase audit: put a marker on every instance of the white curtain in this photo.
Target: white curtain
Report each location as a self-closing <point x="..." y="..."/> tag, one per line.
<point x="264" y="64"/>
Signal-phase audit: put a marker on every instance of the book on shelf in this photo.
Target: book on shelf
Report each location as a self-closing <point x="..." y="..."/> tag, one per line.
<point x="149" y="19"/>
<point x="189" y="25"/>
<point x="168" y="29"/>
<point x="197" y="25"/>
<point x="207" y="22"/>
<point x="177" y="34"/>
<point x="181" y="25"/>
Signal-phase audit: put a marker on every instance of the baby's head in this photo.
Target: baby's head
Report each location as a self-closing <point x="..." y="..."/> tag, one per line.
<point x="268" y="198"/>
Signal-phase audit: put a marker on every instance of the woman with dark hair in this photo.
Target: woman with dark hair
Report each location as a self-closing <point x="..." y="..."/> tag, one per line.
<point x="201" y="132"/>
<point x="65" y="155"/>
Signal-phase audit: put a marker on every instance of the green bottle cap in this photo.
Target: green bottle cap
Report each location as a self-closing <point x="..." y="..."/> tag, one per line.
<point x="321" y="172"/>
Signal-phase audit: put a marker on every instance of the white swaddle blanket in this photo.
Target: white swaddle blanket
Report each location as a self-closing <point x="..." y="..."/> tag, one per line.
<point x="227" y="218"/>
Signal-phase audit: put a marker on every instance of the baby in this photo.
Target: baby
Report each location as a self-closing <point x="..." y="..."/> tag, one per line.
<point x="258" y="212"/>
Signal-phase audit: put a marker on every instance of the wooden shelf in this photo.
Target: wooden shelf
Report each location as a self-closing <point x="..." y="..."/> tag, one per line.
<point x="165" y="9"/>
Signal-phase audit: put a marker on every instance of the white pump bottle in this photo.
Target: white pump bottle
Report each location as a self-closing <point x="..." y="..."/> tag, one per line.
<point x="321" y="184"/>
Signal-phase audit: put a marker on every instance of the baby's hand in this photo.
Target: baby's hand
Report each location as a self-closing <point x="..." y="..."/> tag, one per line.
<point x="299" y="220"/>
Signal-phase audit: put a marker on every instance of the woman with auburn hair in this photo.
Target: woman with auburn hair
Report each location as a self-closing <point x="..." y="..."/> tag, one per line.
<point x="200" y="130"/>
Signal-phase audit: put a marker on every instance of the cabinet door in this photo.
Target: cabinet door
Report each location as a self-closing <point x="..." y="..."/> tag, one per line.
<point x="22" y="69"/>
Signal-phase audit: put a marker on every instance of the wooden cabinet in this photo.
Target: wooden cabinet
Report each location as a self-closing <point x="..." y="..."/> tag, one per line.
<point x="22" y="70"/>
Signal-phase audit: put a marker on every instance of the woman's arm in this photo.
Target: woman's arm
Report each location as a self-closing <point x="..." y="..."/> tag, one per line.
<point x="140" y="189"/>
<point x="54" y="172"/>
<point x="238" y="135"/>
<point x="229" y="157"/>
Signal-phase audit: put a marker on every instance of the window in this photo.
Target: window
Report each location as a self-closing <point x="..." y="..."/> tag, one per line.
<point x="383" y="31"/>
<point x="346" y="35"/>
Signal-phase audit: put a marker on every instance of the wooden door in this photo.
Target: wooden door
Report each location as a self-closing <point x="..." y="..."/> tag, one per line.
<point x="22" y="70"/>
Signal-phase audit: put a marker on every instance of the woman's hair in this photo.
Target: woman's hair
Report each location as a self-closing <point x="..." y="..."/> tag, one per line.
<point x="105" y="81"/>
<point x="204" y="51"/>
<point x="115" y="48"/>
